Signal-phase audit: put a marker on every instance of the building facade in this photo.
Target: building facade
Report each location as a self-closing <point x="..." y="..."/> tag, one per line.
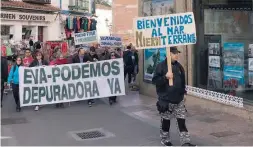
<point x="104" y="20"/>
<point x="123" y="12"/>
<point x="29" y="19"/>
<point x="221" y="63"/>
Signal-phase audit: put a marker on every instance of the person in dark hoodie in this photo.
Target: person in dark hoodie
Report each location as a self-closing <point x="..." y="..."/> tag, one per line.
<point x="83" y="57"/>
<point x="93" y="54"/>
<point x="171" y="98"/>
<point x="38" y="61"/>
<point x="4" y="75"/>
<point x="128" y="57"/>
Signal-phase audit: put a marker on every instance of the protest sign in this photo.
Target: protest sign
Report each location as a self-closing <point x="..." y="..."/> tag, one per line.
<point x="85" y="37"/>
<point x="110" y="41"/>
<point x="165" y="31"/>
<point x="71" y="82"/>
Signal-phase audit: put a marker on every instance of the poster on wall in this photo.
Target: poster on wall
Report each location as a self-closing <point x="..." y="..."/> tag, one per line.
<point x="251" y="78"/>
<point x="212" y="53"/>
<point x="151" y="58"/>
<point x="251" y="64"/>
<point x="146" y="8"/>
<point x="251" y="50"/>
<point x="214" y="78"/>
<point x="162" y="7"/>
<point x="234" y="63"/>
<point x="214" y="61"/>
<point x="214" y="48"/>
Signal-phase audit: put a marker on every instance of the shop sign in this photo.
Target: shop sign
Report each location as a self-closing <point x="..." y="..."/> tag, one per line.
<point x="25" y="16"/>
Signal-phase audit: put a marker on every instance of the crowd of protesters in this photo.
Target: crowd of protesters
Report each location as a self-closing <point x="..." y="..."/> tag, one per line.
<point x="33" y="56"/>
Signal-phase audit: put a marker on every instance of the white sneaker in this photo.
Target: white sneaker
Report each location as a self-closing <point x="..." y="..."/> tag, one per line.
<point x="36" y="108"/>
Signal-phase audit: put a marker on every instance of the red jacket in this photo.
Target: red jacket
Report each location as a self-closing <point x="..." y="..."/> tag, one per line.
<point x="27" y="61"/>
<point x="59" y="62"/>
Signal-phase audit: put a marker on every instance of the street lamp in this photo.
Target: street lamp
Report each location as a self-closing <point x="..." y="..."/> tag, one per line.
<point x="109" y="26"/>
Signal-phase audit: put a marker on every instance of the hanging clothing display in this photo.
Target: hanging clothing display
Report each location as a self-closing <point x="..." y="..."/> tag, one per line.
<point x="93" y="24"/>
<point x="77" y="24"/>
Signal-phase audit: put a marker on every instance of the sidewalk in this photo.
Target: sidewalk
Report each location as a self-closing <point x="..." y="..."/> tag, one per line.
<point x="133" y="121"/>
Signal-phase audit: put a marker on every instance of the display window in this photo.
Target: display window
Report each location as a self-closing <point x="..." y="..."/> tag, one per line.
<point x="227" y="56"/>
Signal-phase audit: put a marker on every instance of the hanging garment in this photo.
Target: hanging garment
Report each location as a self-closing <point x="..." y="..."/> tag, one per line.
<point x="64" y="47"/>
<point x="85" y="27"/>
<point x="68" y="33"/>
<point x="71" y="22"/>
<point x="93" y="24"/>
<point x="3" y="50"/>
<point x="78" y="23"/>
<point x="75" y="25"/>
<point x="8" y="51"/>
<point x="66" y="24"/>
<point x="89" y="24"/>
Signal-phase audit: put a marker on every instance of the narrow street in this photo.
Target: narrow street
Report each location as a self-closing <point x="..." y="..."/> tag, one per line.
<point x="133" y="121"/>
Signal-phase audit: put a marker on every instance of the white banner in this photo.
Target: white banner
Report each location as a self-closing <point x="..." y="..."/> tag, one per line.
<point x="110" y="41"/>
<point x="85" y="37"/>
<point x="71" y="82"/>
<point x="164" y="31"/>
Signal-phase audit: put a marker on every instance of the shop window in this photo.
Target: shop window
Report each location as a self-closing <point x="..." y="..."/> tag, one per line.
<point x="227" y="55"/>
<point x="5" y="30"/>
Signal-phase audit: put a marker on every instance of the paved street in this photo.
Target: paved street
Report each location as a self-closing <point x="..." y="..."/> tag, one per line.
<point x="132" y="121"/>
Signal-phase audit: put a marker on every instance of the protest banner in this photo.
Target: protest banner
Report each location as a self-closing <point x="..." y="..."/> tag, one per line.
<point x="71" y="82"/>
<point x="165" y="31"/>
<point x="85" y="37"/>
<point x="110" y="41"/>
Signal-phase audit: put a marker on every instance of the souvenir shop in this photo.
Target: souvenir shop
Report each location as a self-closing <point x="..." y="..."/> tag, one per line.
<point x="224" y="51"/>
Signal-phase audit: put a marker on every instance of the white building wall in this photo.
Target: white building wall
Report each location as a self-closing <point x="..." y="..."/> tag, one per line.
<point x="102" y="28"/>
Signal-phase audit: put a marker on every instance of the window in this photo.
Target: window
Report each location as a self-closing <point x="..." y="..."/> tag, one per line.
<point x="79" y="4"/>
<point x="5" y="30"/>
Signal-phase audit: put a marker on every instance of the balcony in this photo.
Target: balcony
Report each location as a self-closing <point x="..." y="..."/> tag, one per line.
<point x="79" y="5"/>
<point x="38" y="1"/>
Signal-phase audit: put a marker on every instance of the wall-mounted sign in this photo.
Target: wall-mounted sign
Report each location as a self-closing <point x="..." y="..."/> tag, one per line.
<point x="25" y="16"/>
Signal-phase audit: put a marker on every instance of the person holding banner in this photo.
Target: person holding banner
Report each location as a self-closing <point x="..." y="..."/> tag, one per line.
<point x="83" y="57"/>
<point x="59" y="60"/>
<point x="38" y="61"/>
<point x="171" y="98"/>
<point x="13" y="79"/>
<point x="112" y="99"/>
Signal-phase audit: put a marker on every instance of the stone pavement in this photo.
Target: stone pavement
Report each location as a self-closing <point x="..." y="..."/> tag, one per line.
<point x="133" y="121"/>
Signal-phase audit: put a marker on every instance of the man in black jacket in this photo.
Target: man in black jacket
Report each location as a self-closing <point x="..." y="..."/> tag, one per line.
<point x="171" y="98"/>
<point x="128" y="57"/>
<point x="4" y="75"/>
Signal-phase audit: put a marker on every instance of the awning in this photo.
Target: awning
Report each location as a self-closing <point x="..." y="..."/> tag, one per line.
<point x="28" y="6"/>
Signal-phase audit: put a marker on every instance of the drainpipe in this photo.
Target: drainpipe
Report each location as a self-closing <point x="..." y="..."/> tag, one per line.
<point x="61" y="4"/>
<point x="186" y="48"/>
